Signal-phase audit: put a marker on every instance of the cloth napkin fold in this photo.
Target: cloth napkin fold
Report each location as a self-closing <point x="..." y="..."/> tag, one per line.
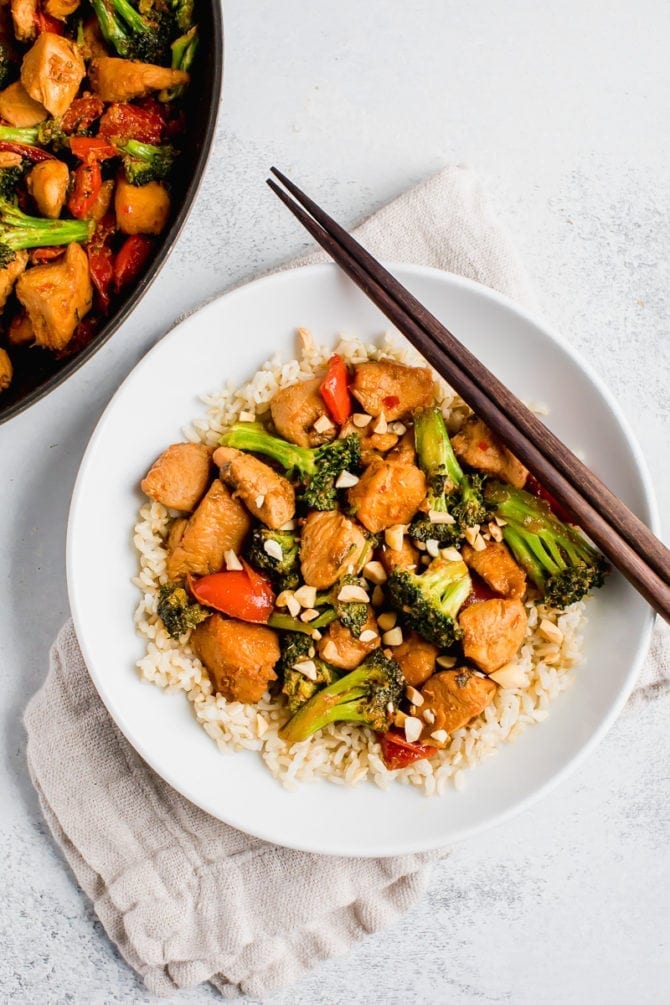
<point x="186" y="898"/>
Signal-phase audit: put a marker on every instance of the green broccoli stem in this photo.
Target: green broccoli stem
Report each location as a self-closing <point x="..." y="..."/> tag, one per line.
<point x="112" y="31"/>
<point x="433" y="446"/>
<point x="19" y="231"/>
<point x="20" y="134"/>
<point x="342" y="701"/>
<point x="131" y="16"/>
<point x="184" y="50"/>
<point x="286" y="623"/>
<point x="254" y="437"/>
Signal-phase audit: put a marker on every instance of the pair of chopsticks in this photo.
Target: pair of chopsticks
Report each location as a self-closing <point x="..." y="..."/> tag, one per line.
<point x="620" y="535"/>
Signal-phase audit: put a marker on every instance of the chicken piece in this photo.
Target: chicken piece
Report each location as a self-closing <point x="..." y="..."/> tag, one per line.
<point x="20" y="331"/>
<point x="23" y="16"/>
<point x="416" y="658"/>
<point x="406" y="558"/>
<point x="141" y="209"/>
<point x="57" y="296"/>
<point x="180" y="476"/>
<point x="388" y="493"/>
<point x="220" y="522"/>
<point x="493" y="630"/>
<point x="266" y="494"/>
<point x="392" y="388"/>
<point x="331" y="545"/>
<point x="18" y="108"/>
<point x="476" y="445"/>
<point x="176" y="532"/>
<point x="10" y="274"/>
<point x="239" y="658"/>
<point x="61" y="9"/>
<point x="372" y="444"/>
<point x="405" y="450"/>
<point x="6" y="370"/>
<point x="455" y="697"/>
<point x="102" y="202"/>
<point x="294" y="411"/>
<point x="342" y="649"/>
<point x="9" y="159"/>
<point x="47" y="182"/>
<point x="497" y="568"/>
<point x="52" y="71"/>
<point x="115" y="79"/>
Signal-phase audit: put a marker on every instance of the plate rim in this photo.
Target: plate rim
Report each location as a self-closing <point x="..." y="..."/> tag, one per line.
<point x="648" y="496"/>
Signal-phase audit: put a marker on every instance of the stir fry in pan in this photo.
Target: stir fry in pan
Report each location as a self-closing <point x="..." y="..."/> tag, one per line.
<point x="91" y="96"/>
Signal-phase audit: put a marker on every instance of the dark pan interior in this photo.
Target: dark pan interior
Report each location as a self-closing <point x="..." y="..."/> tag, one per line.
<point x="36" y="371"/>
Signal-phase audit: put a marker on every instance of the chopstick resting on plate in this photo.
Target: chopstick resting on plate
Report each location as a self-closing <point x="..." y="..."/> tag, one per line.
<point x="622" y="537"/>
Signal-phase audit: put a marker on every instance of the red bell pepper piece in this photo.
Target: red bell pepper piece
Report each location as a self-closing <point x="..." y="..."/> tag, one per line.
<point x="100" y="263"/>
<point x="130" y="122"/>
<point x="335" y="390"/>
<point x="85" y="190"/>
<point x="245" y="595"/>
<point x="38" y="256"/>
<point x="44" y="22"/>
<point x="536" y="488"/>
<point x="30" y="153"/>
<point x="92" y="148"/>
<point x="82" y="113"/>
<point x="397" y="752"/>
<point x="480" y="591"/>
<point x="130" y="260"/>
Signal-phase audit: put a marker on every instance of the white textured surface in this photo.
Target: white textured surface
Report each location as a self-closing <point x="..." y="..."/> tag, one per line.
<point x="563" y="109"/>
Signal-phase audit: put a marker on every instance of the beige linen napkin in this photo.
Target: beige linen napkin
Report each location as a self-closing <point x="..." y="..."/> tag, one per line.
<point x="186" y="898"/>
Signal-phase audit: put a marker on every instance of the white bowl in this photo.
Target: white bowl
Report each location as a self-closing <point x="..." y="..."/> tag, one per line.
<point x="229" y="339"/>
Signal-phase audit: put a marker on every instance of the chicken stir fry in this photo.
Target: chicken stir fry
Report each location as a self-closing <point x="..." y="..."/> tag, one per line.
<point x="351" y="558"/>
<point x="91" y="110"/>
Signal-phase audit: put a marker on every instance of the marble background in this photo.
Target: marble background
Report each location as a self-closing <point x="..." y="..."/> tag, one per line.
<point x="563" y="110"/>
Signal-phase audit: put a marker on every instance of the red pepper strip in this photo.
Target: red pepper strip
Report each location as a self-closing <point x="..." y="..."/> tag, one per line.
<point x="335" y="390"/>
<point x="44" y="22"/>
<point x="480" y="591"/>
<point x="537" y="489"/>
<point x="131" y="259"/>
<point x="82" y="113"/>
<point x="100" y="262"/>
<point x="38" y="256"/>
<point x="34" y="154"/>
<point x="245" y="595"/>
<point x="87" y="184"/>
<point x="131" y="122"/>
<point x="92" y="148"/>
<point x="398" y="752"/>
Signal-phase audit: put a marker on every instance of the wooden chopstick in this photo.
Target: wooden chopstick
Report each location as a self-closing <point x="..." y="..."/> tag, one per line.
<point x="526" y="438"/>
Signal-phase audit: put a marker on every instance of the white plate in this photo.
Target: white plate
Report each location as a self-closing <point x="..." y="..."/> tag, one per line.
<point x="229" y="339"/>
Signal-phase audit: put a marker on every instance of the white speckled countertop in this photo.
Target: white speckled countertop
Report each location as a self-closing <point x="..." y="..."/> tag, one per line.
<point x="563" y="110"/>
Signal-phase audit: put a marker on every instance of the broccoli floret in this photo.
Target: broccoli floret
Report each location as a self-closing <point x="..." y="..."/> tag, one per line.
<point x="351" y="613"/>
<point x="144" y="162"/>
<point x="182" y="11"/>
<point x="318" y="468"/>
<point x="450" y="490"/>
<point x="176" y="611"/>
<point x="18" y="231"/>
<point x="369" y="695"/>
<point x="557" y="557"/>
<point x="430" y="601"/>
<point x="183" y="51"/>
<point x="144" y="37"/>
<point x="9" y="181"/>
<point x="7" y="65"/>
<point x="284" y="571"/>
<point x="297" y="648"/>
